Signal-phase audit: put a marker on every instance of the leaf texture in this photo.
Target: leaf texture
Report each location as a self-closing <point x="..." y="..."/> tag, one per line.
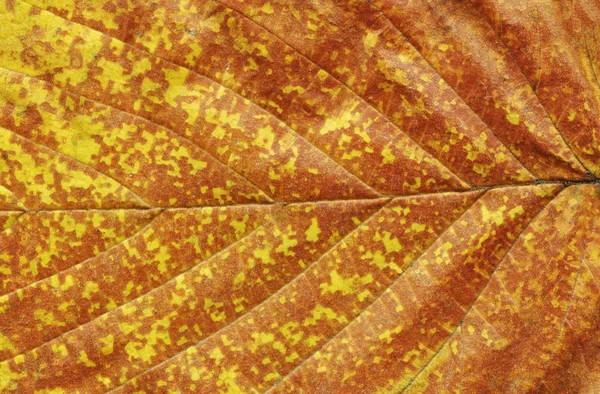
<point x="251" y="196"/>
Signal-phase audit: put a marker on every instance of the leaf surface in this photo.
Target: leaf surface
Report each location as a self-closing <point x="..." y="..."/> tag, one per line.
<point x="288" y="196"/>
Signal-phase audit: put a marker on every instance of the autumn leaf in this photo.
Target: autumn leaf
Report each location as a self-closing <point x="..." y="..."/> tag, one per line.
<point x="249" y="196"/>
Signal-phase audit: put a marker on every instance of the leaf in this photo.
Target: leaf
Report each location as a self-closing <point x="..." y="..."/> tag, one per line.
<point x="289" y="196"/>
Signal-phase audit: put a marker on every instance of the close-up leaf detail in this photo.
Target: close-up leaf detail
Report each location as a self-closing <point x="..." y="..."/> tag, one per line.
<point x="291" y="196"/>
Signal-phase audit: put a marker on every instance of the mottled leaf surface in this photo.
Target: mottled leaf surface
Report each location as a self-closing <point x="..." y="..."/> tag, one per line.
<point x="285" y="196"/>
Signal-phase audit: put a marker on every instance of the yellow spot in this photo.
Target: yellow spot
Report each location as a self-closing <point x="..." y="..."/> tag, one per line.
<point x="388" y="335"/>
<point x="66" y="305"/>
<point x="128" y="289"/>
<point x="6" y="344"/>
<point x="391" y="244"/>
<point x="239" y="278"/>
<point x="272" y="376"/>
<point x="513" y="118"/>
<point x="516" y="211"/>
<point x="267" y="8"/>
<point x="320" y="312"/>
<point x="417" y="227"/>
<point x="370" y="40"/>
<point x="69" y="282"/>
<point x="289" y="89"/>
<point x="127" y="328"/>
<point x="388" y="156"/>
<point x="341" y="121"/>
<point x="90" y="288"/>
<point x="216" y="355"/>
<point x="47" y="318"/>
<point x="345" y="285"/>
<point x="312" y="234"/>
<point x="149" y="85"/>
<point x="495" y="216"/>
<point x="108" y="342"/>
<point x="260" y="338"/>
<point x="83" y="358"/>
<point x="112" y="73"/>
<point x="322" y="75"/>
<point x="60" y="349"/>
<point x="484" y="334"/>
<point x="265" y="137"/>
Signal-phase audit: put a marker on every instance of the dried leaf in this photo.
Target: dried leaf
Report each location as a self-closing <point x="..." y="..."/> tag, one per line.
<point x="246" y="196"/>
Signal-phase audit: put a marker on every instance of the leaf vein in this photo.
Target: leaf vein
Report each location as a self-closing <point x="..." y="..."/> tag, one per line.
<point x="376" y="298"/>
<point x="120" y="307"/>
<point x="562" y="327"/>
<point x="272" y="296"/>
<point x="70" y="158"/>
<point x="172" y="132"/>
<point x="360" y="98"/>
<point x="74" y="267"/>
<point x="260" y="108"/>
<point x="424" y="368"/>
<point x="520" y="68"/>
<point x="451" y="87"/>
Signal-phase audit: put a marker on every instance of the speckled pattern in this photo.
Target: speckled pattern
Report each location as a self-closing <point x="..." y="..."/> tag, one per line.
<point x="286" y="196"/>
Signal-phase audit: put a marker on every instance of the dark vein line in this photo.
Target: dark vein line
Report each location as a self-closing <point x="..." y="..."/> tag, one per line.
<point x="562" y="327"/>
<point x="144" y="120"/>
<point x="69" y="158"/>
<point x="259" y="108"/>
<point x="344" y="327"/>
<point x="333" y="201"/>
<point x="120" y="307"/>
<point x="410" y="42"/>
<point x="272" y="296"/>
<point x="443" y="344"/>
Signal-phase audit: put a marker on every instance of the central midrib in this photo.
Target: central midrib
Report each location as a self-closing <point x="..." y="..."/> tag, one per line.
<point x="566" y="183"/>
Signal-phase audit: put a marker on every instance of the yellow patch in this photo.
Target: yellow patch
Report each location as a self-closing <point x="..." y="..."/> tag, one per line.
<point x="513" y="118"/>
